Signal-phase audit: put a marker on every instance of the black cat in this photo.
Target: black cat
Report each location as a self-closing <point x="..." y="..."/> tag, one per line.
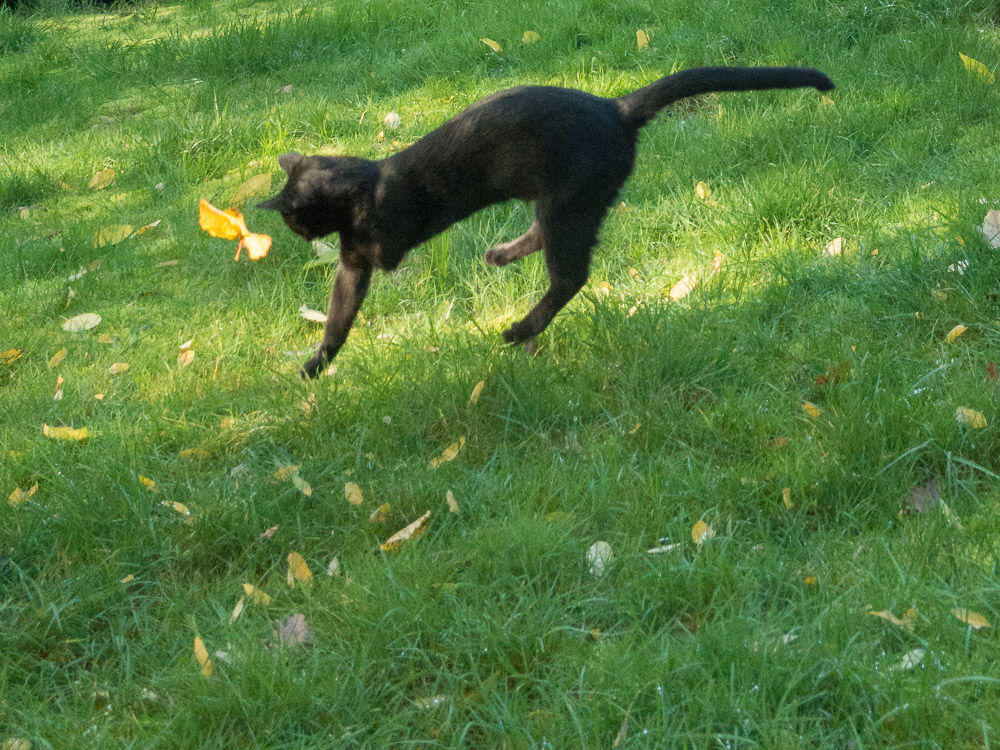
<point x="567" y="151"/>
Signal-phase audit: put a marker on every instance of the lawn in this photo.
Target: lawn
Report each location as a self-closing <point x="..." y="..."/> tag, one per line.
<point x="760" y="403"/>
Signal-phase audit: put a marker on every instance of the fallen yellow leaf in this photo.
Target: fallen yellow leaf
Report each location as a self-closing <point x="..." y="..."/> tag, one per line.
<point x="112" y="235"/>
<point x="973" y="619"/>
<point x="256" y="185"/>
<point x="495" y="46"/>
<point x="405" y="534"/>
<point x="194" y="453"/>
<point x="82" y="322"/>
<point x="906" y="621"/>
<point x="978" y="68"/>
<point x="683" y="288"/>
<point x="474" y="398"/>
<point x="148" y="483"/>
<point x="811" y="409"/>
<point x="201" y="654"/>
<point x="449" y="453"/>
<point x="702" y="191"/>
<point x="298" y="570"/>
<point x="256" y="595"/>
<point x="19" y="496"/>
<point x="641" y="39"/>
<point x="786" y="496"/>
<point x="530" y="37"/>
<point x="380" y="514"/>
<point x="65" y="433"/>
<point x="177" y="506"/>
<point x="955" y="332"/>
<point x="701" y="532"/>
<point x="302" y="485"/>
<point x="102" y="179"/>
<point x="452" y="503"/>
<point x="353" y="493"/>
<point x="10" y="356"/>
<point x="58" y="357"/>
<point x="118" y="368"/>
<point x="129" y="577"/>
<point x="237" y="610"/>
<point x="970" y="418"/>
<point x="834" y="247"/>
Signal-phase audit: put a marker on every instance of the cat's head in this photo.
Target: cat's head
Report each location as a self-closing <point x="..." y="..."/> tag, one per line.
<point x="323" y="194"/>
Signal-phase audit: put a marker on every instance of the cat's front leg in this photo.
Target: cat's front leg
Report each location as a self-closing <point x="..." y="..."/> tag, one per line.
<point x="349" y="289"/>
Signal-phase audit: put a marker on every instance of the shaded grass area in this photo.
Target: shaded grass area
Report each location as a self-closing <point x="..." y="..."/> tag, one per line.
<point x="639" y="416"/>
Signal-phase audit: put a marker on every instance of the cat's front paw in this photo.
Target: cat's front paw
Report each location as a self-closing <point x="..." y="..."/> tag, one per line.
<point x="312" y="368"/>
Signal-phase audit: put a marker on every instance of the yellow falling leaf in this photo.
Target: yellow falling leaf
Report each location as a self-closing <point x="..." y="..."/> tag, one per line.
<point x="10" y="356"/>
<point x="786" y="497"/>
<point x="449" y="453"/>
<point x="201" y="654"/>
<point x="641" y="39"/>
<point x="970" y="418"/>
<point x="955" y="332"/>
<point x="230" y="225"/>
<point x="58" y="357"/>
<point x="452" y="503"/>
<point x="811" y="409"/>
<point x="974" y="66"/>
<point x="530" y="37"/>
<point x="237" y="610"/>
<point x="298" y="571"/>
<point x="82" y="322"/>
<point x="380" y="514"/>
<point x="102" y="179"/>
<point x="701" y="532"/>
<point x="112" y="235"/>
<point x="906" y="621"/>
<point x="973" y="619"/>
<point x="405" y="534"/>
<point x="256" y="185"/>
<point x="474" y="398"/>
<point x="683" y="288"/>
<point x="148" y="483"/>
<point x="353" y="493"/>
<point x="177" y="507"/>
<point x="19" y="496"/>
<point x="493" y="45"/>
<point x="118" y="368"/>
<point x="65" y="433"/>
<point x="256" y="595"/>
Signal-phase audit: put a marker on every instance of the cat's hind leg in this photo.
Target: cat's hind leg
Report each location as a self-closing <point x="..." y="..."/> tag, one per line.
<point x="528" y="243"/>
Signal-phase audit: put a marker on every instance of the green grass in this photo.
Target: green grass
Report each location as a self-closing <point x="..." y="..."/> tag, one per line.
<point x="490" y="631"/>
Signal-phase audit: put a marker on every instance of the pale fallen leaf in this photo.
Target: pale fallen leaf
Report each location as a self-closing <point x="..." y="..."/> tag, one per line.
<point x="412" y="531"/>
<point x="314" y="316"/>
<point x="955" y="332"/>
<point x="641" y="39"/>
<point x="102" y="179"/>
<point x="924" y="496"/>
<point x="391" y="120"/>
<point x="973" y="619"/>
<point x="256" y="595"/>
<point x="237" y="610"/>
<point x="112" y="235"/>
<point x="293" y="631"/>
<point x="452" y="503"/>
<point x="834" y="247"/>
<point x="353" y="493"/>
<point x="201" y="654"/>
<point x="65" y="433"/>
<point x="298" y="571"/>
<point x="432" y="701"/>
<point x="284" y="473"/>
<point x="811" y="409"/>
<point x="474" y="398"/>
<point x="166" y="263"/>
<point x="449" y="453"/>
<point x="82" y="322"/>
<point x="702" y="532"/>
<point x="118" y="368"/>
<point x="127" y="579"/>
<point x="906" y="621"/>
<point x="530" y="37"/>
<point x="599" y="554"/>
<point x="909" y="661"/>
<point x="256" y="185"/>
<point x="703" y="192"/>
<point x="333" y="569"/>
<point x="302" y="485"/>
<point x="970" y="418"/>
<point x="662" y="548"/>
<point x="991" y="228"/>
<point x="786" y="497"/>
<point x="493" y="45"/>
<point x="58" y="357"/>
<point x="185" y="354"/>
<point x="683" y="288"/>
<point x="147" y="227"/>
<point x="268" y="533"/>
<point x="974" y="66"/>
<point x="16" y="743"/>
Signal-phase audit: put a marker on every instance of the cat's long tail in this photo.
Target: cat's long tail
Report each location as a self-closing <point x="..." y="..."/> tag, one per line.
<point x="641" y="105"/>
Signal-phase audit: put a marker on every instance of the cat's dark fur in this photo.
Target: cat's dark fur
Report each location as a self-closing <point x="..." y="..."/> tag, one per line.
<point x="566" y="151"/>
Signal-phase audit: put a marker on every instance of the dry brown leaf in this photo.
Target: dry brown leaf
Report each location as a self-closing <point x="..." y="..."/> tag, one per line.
<point x="380" y="514"/>
<point x="10" y="356"/>
<point x="909" y="661"/>
<point x="293" y="631"/>
<point x="412" y="531"/>
<point x="268" y="533"/>
<point x="786" y="497"/>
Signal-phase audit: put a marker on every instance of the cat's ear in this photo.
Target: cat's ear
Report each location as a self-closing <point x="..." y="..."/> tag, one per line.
<point x="274" y="204"/>
<point x="291" y="161"/>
